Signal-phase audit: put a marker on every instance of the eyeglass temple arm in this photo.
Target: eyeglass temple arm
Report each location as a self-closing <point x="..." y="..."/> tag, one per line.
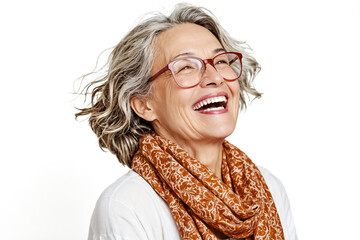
<point x="164" y="69"/>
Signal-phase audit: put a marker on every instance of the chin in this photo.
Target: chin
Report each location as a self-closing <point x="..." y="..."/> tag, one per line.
<point x="222" y="132"/>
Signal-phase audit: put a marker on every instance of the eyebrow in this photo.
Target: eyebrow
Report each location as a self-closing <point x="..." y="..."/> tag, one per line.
<point x="215" y="51"/>
<point x="219" y="50"/>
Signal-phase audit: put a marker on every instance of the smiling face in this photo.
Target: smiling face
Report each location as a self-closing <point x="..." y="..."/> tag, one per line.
<point x="206" y="113"/>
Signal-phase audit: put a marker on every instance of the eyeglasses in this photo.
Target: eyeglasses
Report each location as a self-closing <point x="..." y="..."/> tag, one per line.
<point x="187" y="72"/>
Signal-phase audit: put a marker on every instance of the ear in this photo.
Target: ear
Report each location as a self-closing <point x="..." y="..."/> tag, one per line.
<point x="142" y="107"/>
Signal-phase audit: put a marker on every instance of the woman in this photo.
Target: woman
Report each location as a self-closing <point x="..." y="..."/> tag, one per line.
<point x="169" y="99"/>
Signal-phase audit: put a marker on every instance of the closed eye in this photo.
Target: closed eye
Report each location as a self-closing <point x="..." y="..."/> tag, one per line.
<point x="222" y="62"/>
<point x="186" y="68"/>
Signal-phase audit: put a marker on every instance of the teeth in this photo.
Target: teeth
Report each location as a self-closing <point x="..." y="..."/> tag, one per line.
<point x="210" y="100"/>
<point x="213" y="109"/>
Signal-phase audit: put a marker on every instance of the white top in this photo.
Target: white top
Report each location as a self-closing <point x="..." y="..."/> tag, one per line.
<point x="130" y="209"/>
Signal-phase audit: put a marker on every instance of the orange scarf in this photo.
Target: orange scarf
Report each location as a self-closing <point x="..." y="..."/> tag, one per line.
<point x="204" y="206"/>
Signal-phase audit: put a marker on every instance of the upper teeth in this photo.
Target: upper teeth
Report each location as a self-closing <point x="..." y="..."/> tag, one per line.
<point x="208" y="101"/>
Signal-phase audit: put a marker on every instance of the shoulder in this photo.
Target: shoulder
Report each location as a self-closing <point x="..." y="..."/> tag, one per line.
<point x="275" y="185"/>
<point x="282" y="203"/>
<point x="130" y="209"/>
<point x="128" y="189"/>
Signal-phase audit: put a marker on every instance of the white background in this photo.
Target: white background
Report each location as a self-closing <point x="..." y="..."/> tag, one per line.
<point x="305" y="129"/>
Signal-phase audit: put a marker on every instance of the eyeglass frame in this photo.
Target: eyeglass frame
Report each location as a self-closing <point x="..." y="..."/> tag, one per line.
<point x="204" y="62"/>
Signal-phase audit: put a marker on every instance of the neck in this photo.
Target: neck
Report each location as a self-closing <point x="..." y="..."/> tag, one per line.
<point x="209" y="154"/>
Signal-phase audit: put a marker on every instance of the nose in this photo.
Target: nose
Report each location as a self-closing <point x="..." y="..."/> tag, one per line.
<point x="211" y="77"/>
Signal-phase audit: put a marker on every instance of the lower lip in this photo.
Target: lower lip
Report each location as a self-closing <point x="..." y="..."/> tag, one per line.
<point x="220" y="111"/>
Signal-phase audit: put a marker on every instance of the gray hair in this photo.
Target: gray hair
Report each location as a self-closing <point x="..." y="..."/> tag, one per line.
<point x="116" y="125"/>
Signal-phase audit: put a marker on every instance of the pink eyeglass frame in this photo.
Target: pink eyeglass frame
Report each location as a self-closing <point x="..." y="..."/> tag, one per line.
<point x="204" y="62"/>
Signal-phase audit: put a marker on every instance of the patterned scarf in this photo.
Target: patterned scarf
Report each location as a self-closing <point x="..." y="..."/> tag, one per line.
<point x="204" y="206"/>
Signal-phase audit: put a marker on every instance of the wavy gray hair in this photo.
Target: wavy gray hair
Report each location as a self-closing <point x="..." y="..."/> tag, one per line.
<point x="116" y="125"/>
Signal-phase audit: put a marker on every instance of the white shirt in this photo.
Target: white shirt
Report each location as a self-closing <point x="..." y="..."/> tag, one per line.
<point x="130" y="209"/>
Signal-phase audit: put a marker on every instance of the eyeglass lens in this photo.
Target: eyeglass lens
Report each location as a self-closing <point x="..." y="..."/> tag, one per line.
<point x="188" y="72"/>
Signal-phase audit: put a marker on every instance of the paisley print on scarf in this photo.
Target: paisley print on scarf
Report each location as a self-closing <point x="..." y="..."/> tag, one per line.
<point x="203" y="206"/>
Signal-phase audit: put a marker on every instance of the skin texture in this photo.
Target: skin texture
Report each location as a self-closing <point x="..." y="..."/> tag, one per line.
<point x="170" y="108"/>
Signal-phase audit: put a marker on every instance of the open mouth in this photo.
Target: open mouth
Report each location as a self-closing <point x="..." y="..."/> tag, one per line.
<point x="211" y="104"/>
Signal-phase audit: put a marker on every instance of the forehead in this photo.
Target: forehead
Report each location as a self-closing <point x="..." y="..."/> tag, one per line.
<point x="185" y="38"/>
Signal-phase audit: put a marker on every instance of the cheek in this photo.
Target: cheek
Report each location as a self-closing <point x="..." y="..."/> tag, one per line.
<point x="235" y="90"/>
<point x="179" y="101"/>
<point x="235" y="87"/>
<point x="169" y="98"/>
<point x="175" y="96"/>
